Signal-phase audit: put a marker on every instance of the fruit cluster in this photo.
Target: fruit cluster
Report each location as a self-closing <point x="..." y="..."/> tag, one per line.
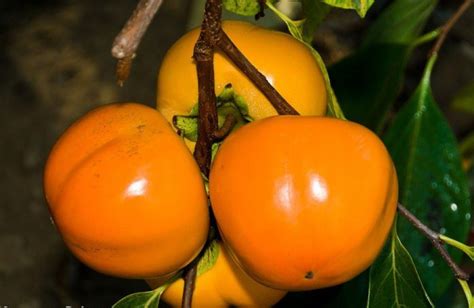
<point x="301" y="202"/>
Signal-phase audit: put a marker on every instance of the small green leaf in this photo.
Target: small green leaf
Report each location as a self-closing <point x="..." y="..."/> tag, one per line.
<point x="295" y="28"/>
<point x="468" y="250"/>
<point x="208" y="259"/>
<point x="433" y="185"/>
<point x="368" y="82"/>
<point x="314" y="12"/>
<point x="149" y="299"/>
<point x="361" y="6"/>
<point x="242" y="7"/>
<point x="187" y="126"/>
<point x="464" y="100"/>
<point x="394" y="281"/>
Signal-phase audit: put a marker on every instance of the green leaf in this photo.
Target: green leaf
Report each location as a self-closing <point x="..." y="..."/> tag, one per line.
<point x="242" y="7"/>
<point x="368" y="82"/>
<point x="187" y="126"/>
<point x="208" y="259"/>
<point x="464" y="100"/>
<point x="394" y="281"/>
<point x="433" y="185"/>
<point x="296" y="30"/>
<point x="314" y="12"/>
<point x="361" y="6"/>
<point x="149" y="299"/>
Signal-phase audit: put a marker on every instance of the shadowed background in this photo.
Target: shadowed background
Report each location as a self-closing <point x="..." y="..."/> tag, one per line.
<point x="56" y="65"/>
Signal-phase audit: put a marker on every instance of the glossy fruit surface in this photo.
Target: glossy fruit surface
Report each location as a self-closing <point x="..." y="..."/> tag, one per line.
<point x="303" y="202"/>
<point x="288" y="65"/>
<point x="117" y="183"/>
<point x="224" y="285"/>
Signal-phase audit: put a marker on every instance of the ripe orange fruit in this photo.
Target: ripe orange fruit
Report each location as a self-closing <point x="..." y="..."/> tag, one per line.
<point x="224" y="285"/>
<point x="303" y="202"/>
<point x="287" y="64"/>
<point x="117" y="183"/>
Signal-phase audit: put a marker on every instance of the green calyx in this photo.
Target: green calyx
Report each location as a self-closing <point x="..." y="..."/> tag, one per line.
<point x="228" y="103"/>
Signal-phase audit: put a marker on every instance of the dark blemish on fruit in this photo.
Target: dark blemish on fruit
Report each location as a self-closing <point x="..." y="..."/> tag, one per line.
<point x="229" y="85"/>
<point x="141" y="127"/>
<point x="309" y="275"/>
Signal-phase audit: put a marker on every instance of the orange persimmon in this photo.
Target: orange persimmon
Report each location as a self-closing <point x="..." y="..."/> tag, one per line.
<point x="286" y="63"/>
<point x="224" y="285"/>
<point x="303" y="202"/>
<point x="118" y="183"/>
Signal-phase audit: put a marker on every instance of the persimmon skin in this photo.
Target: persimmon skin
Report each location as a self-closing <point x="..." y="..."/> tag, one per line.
<point x="224" y="285"/>
<point x="117" y="183"/>
<point x="303" y="202"/>
<point x="286" y="63"/>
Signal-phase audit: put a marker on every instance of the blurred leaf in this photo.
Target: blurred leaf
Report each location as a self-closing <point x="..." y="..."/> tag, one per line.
<point x="467" y="146"/>
<point x="368" y="82"/>
<point x="361" y="6"/>
<point x="149" y="299"/>
<point x="394" y="281"/>
<point x="400" y="23"/>
<point x="296" y="30"/>
<point x="314" y="12"/>
<point x="242" y="7"/>
<point x="433" y="185"/>
<point x="208" y="259"/>
<point x="464" y="100"/>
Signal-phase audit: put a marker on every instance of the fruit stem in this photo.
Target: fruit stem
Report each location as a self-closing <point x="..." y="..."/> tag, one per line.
<point x="126" y="42"/>
<point x="189" y="285"/>
<point x="436" y="241"/>
<point x="225" y="129"/>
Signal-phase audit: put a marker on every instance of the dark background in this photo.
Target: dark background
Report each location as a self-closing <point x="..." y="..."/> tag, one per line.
<point x="55" y="65"/>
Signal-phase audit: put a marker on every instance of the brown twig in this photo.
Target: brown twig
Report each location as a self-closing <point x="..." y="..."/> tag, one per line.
<point x="207" y="120"/>
<point x="126" y="42"/>
<point x="448" y="26"/>
<point x="204" y="57"/>
<point x="259" y="80"/>
<point x="435" y="241"/>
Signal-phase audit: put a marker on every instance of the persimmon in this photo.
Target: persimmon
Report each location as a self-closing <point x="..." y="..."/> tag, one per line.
<point x="303" y="202"/>
<point x="224" y="285"/>
<point x="287" y="64"/>
<point x="126" y="194"/>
